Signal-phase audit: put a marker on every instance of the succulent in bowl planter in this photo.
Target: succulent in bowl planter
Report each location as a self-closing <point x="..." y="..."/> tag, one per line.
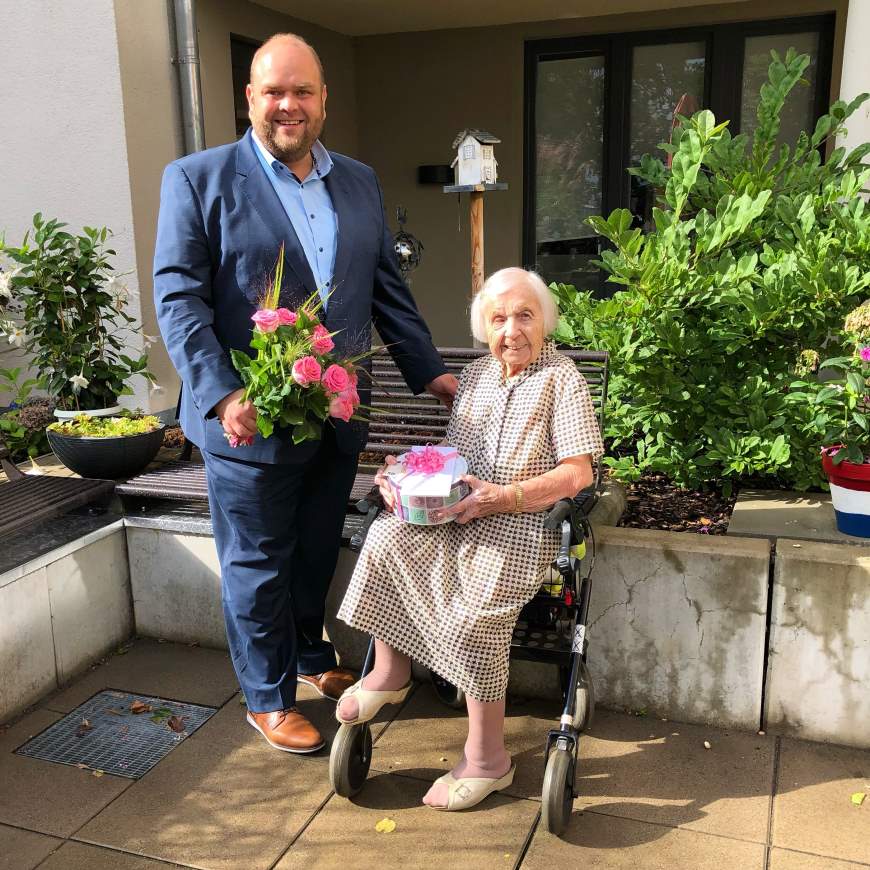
<point x="61" y="302"/>
<point x="106" y="447"/>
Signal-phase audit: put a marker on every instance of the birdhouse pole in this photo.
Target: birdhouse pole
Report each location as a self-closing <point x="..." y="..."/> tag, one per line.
<point x="476" y="224"/>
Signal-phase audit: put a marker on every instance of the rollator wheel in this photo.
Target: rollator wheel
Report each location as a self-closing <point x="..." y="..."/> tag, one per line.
<point x="448" y="693"/>
<point x="557" y="795"/>
<point x="350" y="759"/>
<point x="584" y="705"/>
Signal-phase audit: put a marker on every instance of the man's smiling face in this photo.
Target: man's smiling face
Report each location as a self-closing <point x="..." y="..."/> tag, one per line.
<point x="287" y="100"/>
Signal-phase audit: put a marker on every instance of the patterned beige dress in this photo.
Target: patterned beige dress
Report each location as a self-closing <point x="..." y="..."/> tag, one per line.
<point x="449" y="596"/>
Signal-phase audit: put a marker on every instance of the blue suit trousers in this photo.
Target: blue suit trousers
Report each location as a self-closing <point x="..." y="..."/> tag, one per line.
<point x="277" y="527"/>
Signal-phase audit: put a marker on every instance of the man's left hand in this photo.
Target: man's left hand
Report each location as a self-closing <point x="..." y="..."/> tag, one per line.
<point x="443" y="388"/>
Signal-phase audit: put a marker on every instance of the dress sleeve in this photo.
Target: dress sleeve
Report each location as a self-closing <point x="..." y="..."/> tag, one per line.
<point x="575" y="424"/>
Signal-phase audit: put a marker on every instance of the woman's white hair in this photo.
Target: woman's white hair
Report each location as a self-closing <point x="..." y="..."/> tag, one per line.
<point x="508" y="279"/>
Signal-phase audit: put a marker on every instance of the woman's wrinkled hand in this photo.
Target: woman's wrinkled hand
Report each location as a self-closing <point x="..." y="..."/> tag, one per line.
<point x="484" y="500"/>
<point x="384" y="486"/>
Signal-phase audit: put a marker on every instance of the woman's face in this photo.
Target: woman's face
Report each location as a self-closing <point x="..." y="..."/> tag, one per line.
<point x="515" y="328"/>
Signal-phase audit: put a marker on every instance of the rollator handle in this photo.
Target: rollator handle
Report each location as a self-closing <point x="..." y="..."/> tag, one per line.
<point x="371" y="499"/>
<point x="359" y="535"/>
<point x="559" y="512"/>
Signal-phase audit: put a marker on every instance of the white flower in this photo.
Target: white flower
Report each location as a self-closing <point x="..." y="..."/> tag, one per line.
<point x="16" y="336"/>
<point x="5" y="289"/>
<point x="156" y="388"/>
<point x="79" y="382"/>
<point x="148" y="340"/>
<point x="114" y="286"/>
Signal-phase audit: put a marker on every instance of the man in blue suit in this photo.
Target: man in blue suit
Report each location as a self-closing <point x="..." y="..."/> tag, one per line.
<point x="277" y="509"/>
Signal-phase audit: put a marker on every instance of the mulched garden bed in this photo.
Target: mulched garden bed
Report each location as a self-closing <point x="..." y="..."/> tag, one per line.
<point x="655" y="503"/>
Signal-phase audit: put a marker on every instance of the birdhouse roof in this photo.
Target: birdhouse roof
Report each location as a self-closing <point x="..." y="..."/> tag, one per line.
<point x="480" y="135"/>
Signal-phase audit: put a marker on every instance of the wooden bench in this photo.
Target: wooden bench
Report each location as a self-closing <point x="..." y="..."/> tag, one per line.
<point x="29" y="498"/>
<point x="411" y="421"/>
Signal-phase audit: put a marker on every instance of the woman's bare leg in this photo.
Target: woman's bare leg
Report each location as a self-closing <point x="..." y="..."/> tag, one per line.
<point x="484" y="755"/>
<point x="392" y="671"/>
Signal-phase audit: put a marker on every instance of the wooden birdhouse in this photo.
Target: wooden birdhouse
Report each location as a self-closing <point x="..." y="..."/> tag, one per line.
<point x="475" y="161"/>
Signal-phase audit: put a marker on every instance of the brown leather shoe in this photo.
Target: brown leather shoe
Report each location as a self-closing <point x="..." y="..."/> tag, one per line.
<point x="329" y="684"/>
<point x="287" y="730"/>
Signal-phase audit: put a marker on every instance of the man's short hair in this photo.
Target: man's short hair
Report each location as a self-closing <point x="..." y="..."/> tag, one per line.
<point x="280" y="37"/>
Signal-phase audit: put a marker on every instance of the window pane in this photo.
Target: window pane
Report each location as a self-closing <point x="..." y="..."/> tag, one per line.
<point x="665" y="80"/>
<point x="662" y="76"/>
<point x="799" y="110"/>
<point x="569" y="143"/>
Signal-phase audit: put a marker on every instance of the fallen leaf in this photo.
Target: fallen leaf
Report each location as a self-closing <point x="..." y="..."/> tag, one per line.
<point x="858" y="798"/>
<point x="81" y="766"/>
<point x="84" y="727"/>
<point x="161" y="714"/>
<point x="176" y="723"/>
<point x="385" y="826"/>
<point x="114" y="711"/>
<point x="140" y="707"/>
<point x="98" y="773"/>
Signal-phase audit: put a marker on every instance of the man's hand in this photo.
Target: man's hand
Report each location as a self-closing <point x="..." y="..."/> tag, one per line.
<point x="484" y="500"/>
<point x="443" y="388"/>
<point x="238" y="418"/>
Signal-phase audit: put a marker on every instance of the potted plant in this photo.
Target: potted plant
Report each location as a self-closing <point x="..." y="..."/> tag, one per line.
<point x="63" y="304"/>
<point x="22" y="424"/>
<point x="845" y="403"/>
<point x="106" y="447"/>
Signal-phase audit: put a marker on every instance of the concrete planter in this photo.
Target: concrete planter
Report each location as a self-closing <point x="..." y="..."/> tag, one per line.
<point x="60" y="613"/>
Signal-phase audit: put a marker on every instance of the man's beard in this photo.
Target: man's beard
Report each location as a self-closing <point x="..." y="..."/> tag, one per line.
<point x="289" y="153"/>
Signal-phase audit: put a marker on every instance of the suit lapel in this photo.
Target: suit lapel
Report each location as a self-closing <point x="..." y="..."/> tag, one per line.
<point x="339" y="192"/>
<point x="262" y="197"/>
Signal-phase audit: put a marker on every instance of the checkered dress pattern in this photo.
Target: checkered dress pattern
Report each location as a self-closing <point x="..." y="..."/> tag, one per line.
<point x="449" y="596"/>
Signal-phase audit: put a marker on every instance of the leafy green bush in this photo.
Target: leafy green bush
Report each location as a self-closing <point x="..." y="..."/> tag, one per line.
<point x="86" y="426"/>
<point x="756" y="257"/>
<point x="22" y="426"/>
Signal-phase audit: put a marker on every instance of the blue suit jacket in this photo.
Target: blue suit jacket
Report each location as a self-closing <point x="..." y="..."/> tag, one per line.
<point x="220" y="228"/>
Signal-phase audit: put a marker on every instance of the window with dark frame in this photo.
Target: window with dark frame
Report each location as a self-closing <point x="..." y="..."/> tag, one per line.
<point x="242" y="53"/>
<point x="594" y="105"/>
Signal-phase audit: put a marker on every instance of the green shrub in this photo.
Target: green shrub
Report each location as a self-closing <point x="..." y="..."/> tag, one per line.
<point x="86" y="426"/>
<point x="756" y="257"/>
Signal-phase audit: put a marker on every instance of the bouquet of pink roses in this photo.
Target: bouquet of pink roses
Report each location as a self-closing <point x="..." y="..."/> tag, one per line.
<point x="293" y="380"/>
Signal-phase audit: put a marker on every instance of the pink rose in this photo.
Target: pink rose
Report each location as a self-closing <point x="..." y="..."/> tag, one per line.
<point x="335" y="379"/>
<point x="341" y="408"/>
<point x="286" y="317"/>
<point x="266" y="319"/>
<point x="321" y="341"/>
<point x="306" y="371"/>
<point x="351" y="395"/>
<point x="239" y="440"/>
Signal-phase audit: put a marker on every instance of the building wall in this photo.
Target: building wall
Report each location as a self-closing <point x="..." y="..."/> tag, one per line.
<point x="416" y="90"/>
<point x="63" y="137"/>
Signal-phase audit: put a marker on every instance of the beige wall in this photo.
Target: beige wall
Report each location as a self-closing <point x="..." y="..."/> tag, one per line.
<point x="416" y="90"/>
<point x="152" y="119"/>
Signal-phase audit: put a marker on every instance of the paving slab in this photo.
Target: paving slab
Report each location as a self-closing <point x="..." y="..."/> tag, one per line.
<point x="177" y="672"/>
<point x="812" y="810"/>
<point x="343" y="834"/>
<point x="426" y="739"/>
<point x="593" y="840"/>
<point x="224" y="799"/>
<point x="45" y="797"/>
<point x="23" y="850"/>
<point x="653" y="771"/>
<point x="762" y="513"/>
<point x="783" y="859"/>
<point x="79" y="856"/>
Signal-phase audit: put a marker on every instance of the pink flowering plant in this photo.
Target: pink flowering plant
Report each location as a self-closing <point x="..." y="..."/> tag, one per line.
<point x="294" y="380"/>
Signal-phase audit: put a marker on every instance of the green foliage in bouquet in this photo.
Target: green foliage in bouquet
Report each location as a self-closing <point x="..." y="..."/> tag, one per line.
<point x="757" y="255"/>
<point x="64" y="305"/>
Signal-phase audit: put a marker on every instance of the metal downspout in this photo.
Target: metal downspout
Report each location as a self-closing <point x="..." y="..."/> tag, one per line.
<point x="187" y="63"/>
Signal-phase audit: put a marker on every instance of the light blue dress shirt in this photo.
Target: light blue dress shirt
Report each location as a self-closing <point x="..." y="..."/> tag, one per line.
<point x="308" y="205"/>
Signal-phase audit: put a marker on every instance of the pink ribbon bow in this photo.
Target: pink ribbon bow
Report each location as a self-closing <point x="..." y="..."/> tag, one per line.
<point x="427" y="460"/>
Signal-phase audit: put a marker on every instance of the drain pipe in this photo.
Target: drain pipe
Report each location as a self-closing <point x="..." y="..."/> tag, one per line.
<point x="187" y="62"/>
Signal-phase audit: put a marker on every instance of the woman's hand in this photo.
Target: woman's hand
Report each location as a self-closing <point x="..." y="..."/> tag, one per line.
<point x="383" y="485"/>
<point x="484" y="500"/>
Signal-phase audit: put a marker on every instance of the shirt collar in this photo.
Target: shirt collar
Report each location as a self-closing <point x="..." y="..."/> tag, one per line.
<point x="545" y="357"/>
<point x="322" y="160"/>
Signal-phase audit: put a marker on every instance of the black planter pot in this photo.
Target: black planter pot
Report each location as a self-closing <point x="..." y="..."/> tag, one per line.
<point x="106" y="458"/>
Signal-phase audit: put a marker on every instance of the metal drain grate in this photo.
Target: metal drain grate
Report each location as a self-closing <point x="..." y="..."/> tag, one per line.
<point x="105" y="734"/>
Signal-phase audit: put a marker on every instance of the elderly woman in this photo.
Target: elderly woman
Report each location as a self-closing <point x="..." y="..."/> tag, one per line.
<point x="449" y="595"/>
